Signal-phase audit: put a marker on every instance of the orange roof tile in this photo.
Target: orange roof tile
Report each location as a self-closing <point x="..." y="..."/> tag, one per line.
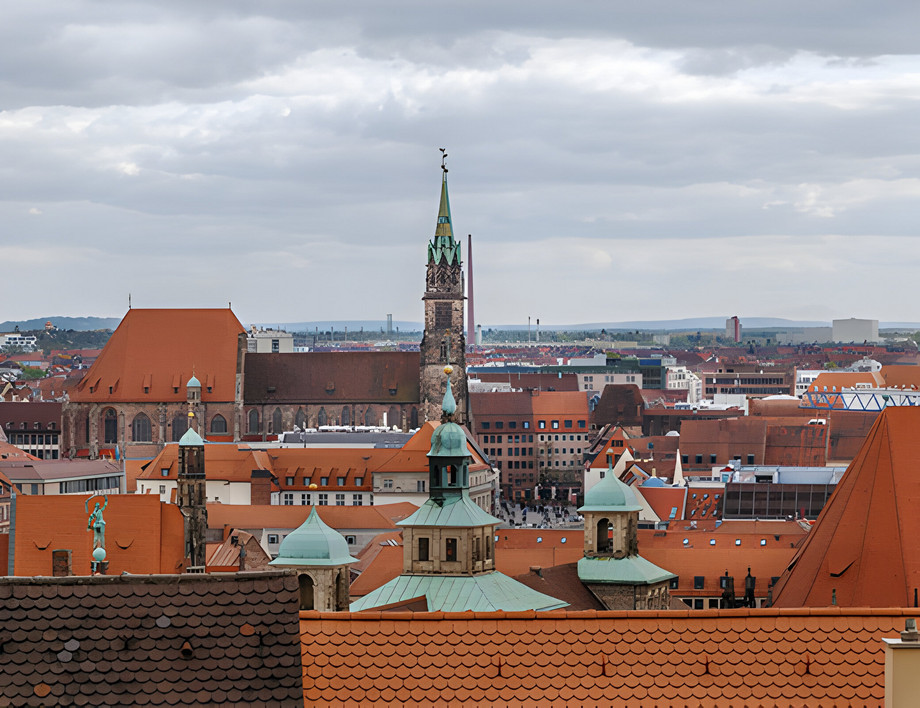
<point x="665" y="500"/>
<point x="261" y="516"/>
<point x="839" y="380"/>
<point x="143" y="351"/>
<point x="386" y="564"/>
<point x="713" y="658"/>
<point x="901" y="376"/>
<point x="868" y="529"/>
<point x="222" y="461"/>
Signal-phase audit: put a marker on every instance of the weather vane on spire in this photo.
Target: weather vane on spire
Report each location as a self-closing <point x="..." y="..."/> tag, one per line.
<point x="443" y="158"/>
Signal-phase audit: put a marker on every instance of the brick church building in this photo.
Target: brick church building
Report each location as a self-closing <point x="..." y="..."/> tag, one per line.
<point x="164" y="370"/>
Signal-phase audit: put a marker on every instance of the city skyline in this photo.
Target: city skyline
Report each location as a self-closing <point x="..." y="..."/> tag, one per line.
<point x="612" y="164"/>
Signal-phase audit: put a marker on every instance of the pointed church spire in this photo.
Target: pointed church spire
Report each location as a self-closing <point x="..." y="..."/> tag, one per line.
<point x="443" y="246"/>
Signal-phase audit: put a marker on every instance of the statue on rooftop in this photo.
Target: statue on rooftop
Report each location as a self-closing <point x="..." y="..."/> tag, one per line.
<point x="96" y="523"/>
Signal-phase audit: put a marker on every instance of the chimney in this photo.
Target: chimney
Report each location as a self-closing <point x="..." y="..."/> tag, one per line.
<point x="62" y="563"/>
<point x="902" y="666"/>
<point x="470" y="318"/>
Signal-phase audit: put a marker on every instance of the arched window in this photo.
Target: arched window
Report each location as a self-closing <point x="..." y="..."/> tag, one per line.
<point x="603" y="536"/>
<point x="300" y="420"/>
<point x="179" y="426"/>
<point x="370" y="418"/>
<point x="306" y="592"/>
<point x="413" y="418"/>
<point x="393" y="417"/>
<point x="346" y="415"/>
<point x="253" y="421"/>
<point x="277" y="425"/>
<point x="321" y="416"/>
<point x="110" y="426"/>
<point x="140" y="428"/>
<point x="218" y="424"/>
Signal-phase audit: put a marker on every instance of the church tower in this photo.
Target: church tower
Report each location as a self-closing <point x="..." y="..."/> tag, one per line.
<point x="449" y="542"/>
<point x="443" y="343"/>
<point x="191" y="497"/>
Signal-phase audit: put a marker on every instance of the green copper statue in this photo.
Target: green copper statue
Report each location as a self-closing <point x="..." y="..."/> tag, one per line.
<point x="96" y="523"/>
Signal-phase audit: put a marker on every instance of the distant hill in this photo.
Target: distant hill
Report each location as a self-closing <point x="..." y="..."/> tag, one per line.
<point x="80" y="324"/>
<point x="340" y="325"/>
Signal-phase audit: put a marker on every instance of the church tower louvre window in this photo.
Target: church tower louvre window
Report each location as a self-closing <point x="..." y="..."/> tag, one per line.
<point x="443" y="341"/>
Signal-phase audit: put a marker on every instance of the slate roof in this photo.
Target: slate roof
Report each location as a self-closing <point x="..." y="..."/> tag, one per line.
<point x="706" y="657"/>
<point x="151" y="640"/>
<point x="332" y="377"/>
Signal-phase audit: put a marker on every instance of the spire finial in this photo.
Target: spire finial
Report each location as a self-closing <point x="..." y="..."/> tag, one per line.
<point x="443" y="159"/>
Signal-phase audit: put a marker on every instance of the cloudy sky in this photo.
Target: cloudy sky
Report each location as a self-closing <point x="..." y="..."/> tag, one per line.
<point x="613" y="160"/>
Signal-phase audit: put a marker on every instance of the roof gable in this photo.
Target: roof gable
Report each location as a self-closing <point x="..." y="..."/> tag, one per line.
<point x="153" y="353"/>
<point x="869" y="527"/>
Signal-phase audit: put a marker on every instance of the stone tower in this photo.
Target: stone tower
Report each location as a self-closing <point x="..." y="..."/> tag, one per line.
<point x="443" y="342"/>
<point x="612" y="568"/>
<point x="449" y="542"/>
<point x="191" y="497"/>
<point x="320" y="556"/>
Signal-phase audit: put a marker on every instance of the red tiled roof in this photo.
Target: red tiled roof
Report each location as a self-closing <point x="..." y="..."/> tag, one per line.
<point x="162" y="349"/>
<point x="261" y="516"/>
<point x="838" y="380"/>
<point x="665" y="499"/>
<point x="712" y="658"/>
<point x="222" y="462"/>
<point x="386" y="564"/>
<point x="901" y="376"/>
<point x="864" y="547"/>
<point x="333" y="378"/>
<point x="561" y="582"/>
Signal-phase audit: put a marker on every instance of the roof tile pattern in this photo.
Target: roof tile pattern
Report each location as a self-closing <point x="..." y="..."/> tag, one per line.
<point x="863" y="549"/>
<point x="151" y="640"/>
<point x="712" y="658"/>
<point x="143" y="362"/>
<point x="332" y="377"/>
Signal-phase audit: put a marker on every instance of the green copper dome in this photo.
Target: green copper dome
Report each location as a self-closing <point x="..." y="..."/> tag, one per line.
<point x="191" y="438"/>
<point x="193" y="382"/>
<point x="448" y="439"/>
<point x="313" y="543"/>
<point x="610" y="494"/>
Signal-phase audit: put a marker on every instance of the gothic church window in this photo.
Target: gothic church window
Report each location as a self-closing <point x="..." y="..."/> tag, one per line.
<point x="218" y="424"/>
<point x="110" y="423"/>
<point x="140" y="428"/>
<point x="179" y="426"/>
<point x="253" y="421"/>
